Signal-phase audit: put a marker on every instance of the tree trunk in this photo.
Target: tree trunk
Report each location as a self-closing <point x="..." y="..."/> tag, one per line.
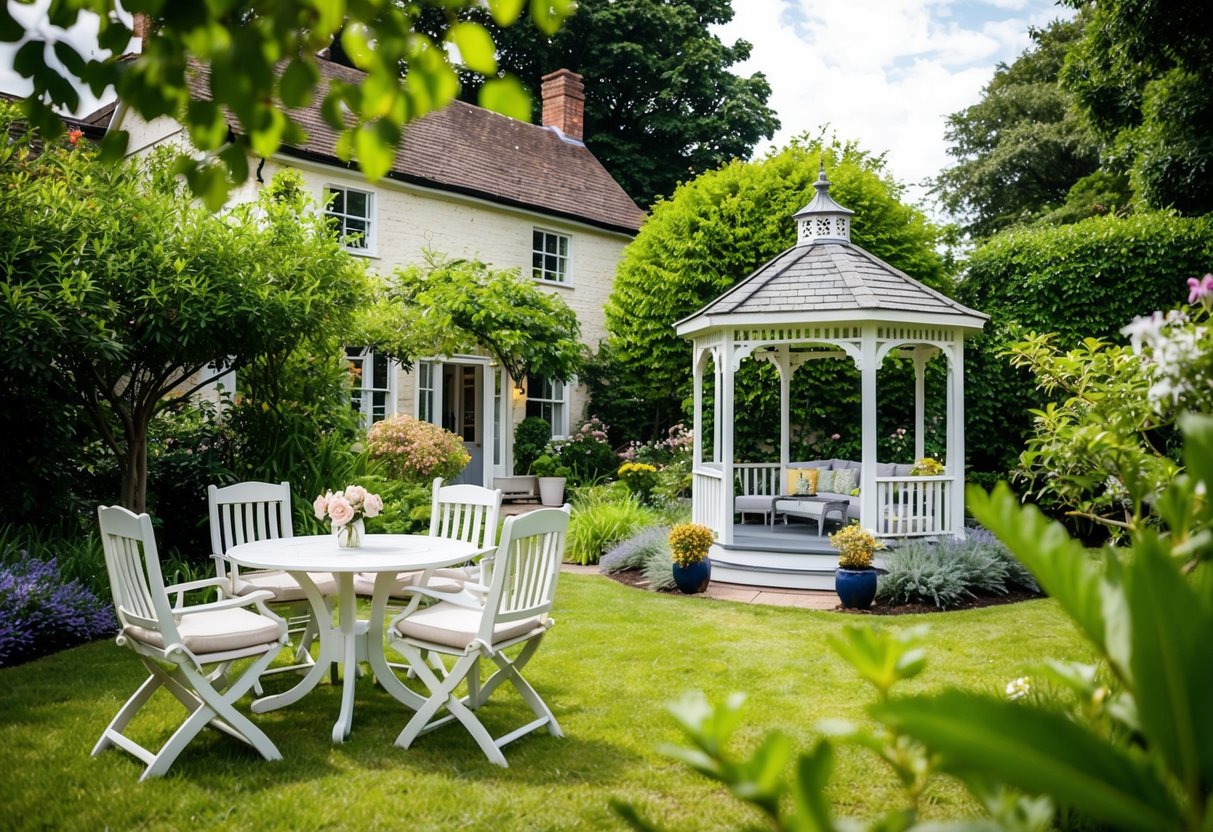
<point x="134" y="473"/>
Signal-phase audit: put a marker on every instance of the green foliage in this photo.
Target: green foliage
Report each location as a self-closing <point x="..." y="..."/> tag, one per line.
<point x="531" y="436"/>
<point x="587" y="453"/>
<point x="1141" y="75"/>
<point x="263" y="57"/>
<point x="456" y="306"/>
<point x="597" y="527"/>
<point x="1021" y="150"/>
<point x="711" y="234"/>
<point x="548" y="465"/>
<point x="120" y="285"/>
<point x="406" y="505"/>
<point x="664" y="100"/>
<point x="948" y="573"/>
<point x="1083" y="280"/>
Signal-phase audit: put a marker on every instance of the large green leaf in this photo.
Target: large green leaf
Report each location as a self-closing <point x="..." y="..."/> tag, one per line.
<point x="1172" y="661"/>
<point x="1038" y="751"/>
<point x="1059" y="563"/>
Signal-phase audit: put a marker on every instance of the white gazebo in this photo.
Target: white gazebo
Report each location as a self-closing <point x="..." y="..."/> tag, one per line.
<point x="824" y="298"/>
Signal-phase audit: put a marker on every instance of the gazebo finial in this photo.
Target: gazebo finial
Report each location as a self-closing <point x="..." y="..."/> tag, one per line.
<point x="823" y="220"/>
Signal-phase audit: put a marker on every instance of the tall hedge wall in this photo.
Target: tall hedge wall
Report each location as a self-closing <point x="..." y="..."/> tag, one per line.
<point x="1083" y="280"/>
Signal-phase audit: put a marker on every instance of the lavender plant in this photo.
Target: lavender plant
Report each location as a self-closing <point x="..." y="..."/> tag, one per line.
<point x="40" y="613"/>
<point x="637" y="550"/>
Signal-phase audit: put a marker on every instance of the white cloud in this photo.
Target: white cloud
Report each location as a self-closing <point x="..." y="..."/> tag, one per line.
<point x="885" y="73"/>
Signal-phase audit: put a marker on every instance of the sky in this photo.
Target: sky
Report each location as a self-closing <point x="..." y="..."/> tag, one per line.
<point x="884" y="73"/>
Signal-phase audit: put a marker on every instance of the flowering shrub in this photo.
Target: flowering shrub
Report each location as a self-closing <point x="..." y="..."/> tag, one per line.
<point x="672" y="459"/>
<point x="587" y="453"/>
<point x="928" y="466"/>
<point x="689" y="543"/>
<point x="856" y="546"/>
<point x="640" y="478"/>
<point x="416" y="451"/>
<point x="40" y="613"/>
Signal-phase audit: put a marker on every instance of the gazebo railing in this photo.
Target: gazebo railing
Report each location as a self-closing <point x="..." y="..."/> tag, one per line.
<point x="707" y="500"/>
<point x="912" y="506"/>
<point x="758" y="478"/>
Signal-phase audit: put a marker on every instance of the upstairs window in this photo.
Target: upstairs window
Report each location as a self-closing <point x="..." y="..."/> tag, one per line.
<point x="351" y="214"/>
<point x="550" y="256"/>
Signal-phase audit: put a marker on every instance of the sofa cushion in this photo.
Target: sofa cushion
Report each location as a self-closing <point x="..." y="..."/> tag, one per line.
<point x="812" y="463"/>
<point x="885" y="469"/>
<point x="795" y="478"/>
<point x="902" y="470"/>
<point x="839" y="464"/>
<point x="825" y="479"/>
<point x="845" y="480"/>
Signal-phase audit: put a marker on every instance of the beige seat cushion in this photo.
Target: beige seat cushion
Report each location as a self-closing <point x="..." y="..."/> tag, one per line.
<point x="284" y="587"/>
<point x="456" y="627"/>
<point x="364" y="583"/>
<point x="215" y="631"/>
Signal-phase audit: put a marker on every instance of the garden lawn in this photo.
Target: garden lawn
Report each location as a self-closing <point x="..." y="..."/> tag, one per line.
<point x="616" y="656"/>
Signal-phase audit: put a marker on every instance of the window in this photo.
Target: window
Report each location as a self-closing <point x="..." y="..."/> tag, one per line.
<point x="351" y="215"/>
<point x="373" y="384"/>
<point x="550" y="256"/>
<point x="545" y="398"/>
<point x="425" y="391"/>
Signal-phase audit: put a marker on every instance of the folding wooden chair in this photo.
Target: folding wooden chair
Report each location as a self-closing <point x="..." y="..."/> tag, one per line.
<point x="249" y="511"/>
<point x="189" y="639"/>
<point x="482" y="622"/>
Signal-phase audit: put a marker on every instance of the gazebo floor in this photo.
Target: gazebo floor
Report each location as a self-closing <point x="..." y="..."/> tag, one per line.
<point x="791" y="556"/>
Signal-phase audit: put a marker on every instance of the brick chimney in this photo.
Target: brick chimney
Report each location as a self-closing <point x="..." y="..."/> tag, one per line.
<point x="564" y="103"/>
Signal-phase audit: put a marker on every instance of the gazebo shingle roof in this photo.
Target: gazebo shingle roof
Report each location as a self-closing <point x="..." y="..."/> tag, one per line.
<point x="473" y="151"/>
<point x="830" y="277"/>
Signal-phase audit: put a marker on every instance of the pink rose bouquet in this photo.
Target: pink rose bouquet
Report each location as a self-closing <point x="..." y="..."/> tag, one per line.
<point x="347" y="506"/>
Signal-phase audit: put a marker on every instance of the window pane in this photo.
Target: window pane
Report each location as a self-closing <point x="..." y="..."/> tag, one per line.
<point x="337" y="203"/>
<point x="549" y="266"/>
<point x="356" y="204"/>
<point x="562" y="246"/>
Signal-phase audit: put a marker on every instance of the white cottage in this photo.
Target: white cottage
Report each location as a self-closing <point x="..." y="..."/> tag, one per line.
<point x="822" y="299"/>
<point x="468" y="183"/>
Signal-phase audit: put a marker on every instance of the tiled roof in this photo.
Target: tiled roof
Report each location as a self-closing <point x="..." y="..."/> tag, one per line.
<point x="473" y="151"/>
<point x="830" y="277"/>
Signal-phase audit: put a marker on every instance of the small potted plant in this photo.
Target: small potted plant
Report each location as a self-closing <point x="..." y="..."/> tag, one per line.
<point x="855" y="579"/>
<point x="552" y="477"/>
<point x="689" y="544"/>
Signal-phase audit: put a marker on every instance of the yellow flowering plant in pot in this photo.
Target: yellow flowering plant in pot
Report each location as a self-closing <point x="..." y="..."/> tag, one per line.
<point x="855" y="578"/>
<point x="928" y="466"/>
<point x="689" y="545"/>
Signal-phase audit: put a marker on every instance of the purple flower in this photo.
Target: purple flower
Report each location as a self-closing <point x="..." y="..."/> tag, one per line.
<point x="40" y="613"/>
<point x="1199" y="288"/>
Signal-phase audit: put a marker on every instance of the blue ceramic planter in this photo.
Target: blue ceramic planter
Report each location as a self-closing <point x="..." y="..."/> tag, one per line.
<point x="694" y="578"/>
<point x="856" y="588"/>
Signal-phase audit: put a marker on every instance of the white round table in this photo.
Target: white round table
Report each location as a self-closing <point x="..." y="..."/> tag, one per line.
<point x="385" y="554"/>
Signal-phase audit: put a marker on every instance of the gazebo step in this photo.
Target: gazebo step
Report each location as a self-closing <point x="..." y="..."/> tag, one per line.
<point x="775" y="566"/>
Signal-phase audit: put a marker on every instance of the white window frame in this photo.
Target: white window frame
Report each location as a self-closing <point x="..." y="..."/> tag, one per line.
<point x="424" y="401"/>
<point x="364" y="245"/>
<point x="362" y="393"/>
<point x="541" y="273"/>
<point x="560" y="424"/>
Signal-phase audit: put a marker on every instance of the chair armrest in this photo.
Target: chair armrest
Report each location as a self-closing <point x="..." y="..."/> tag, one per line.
<point x="257" y="598"/>
<point x="223" y="586"/>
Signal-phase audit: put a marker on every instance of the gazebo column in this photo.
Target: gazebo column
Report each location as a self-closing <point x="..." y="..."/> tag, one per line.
<point x="867" y="384"/>
<point x="697" y="423"/>
<point x="784" y="365"/>
<point x="920" y="365"/>
<point x="725" y="430"/>
<point x="956" y="438"/>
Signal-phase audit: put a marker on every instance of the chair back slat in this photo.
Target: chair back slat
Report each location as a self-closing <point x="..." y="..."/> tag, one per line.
<point x="133" y="564"/>
<point x="526" y="567"/>
<point x="247" y="512"/>
<point x="465" y="512"/>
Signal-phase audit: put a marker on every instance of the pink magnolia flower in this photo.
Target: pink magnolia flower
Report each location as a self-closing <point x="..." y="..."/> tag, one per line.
<point x="340" y="510"/>
<point x="373" y="505"/>
<point x="321" y="505"/>
<point x="1199" y="288"/>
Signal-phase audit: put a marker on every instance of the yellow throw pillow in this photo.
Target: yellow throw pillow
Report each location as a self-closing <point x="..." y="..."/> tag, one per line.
<point x="808" y="475"/>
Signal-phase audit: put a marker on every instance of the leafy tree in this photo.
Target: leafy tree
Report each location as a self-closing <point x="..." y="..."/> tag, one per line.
<point x="712" y="233"/>
<point x="130" y="295"/>
<point x="263" y="57"/>
<point x="1141" y="75"/>
<point x="453" y="306"/>
<point x="661" y="104"/>
<point x="1024" y="147"/>
<point x="1085" y="280"/>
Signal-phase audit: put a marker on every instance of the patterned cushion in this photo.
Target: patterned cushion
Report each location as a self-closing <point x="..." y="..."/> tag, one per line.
<point x="845" y="481"/>
<point x="825" y="479"/>
<point x="797" y="474"/>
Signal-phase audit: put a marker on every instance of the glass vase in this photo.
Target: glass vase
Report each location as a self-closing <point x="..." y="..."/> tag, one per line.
<point x="350" y="535"/>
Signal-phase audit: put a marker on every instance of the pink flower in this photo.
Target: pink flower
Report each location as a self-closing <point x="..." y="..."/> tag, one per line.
<point x="373" y="505"/>
<point x="321" y="505"/>
<point x="836" y="436"/>
<point x="355" y="494"/>
<point x="340" y="510"/>
<point x="1199" y="289"/>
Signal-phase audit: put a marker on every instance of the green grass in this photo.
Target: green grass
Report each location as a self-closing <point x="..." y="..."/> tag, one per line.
<point x="613" y="660"/>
